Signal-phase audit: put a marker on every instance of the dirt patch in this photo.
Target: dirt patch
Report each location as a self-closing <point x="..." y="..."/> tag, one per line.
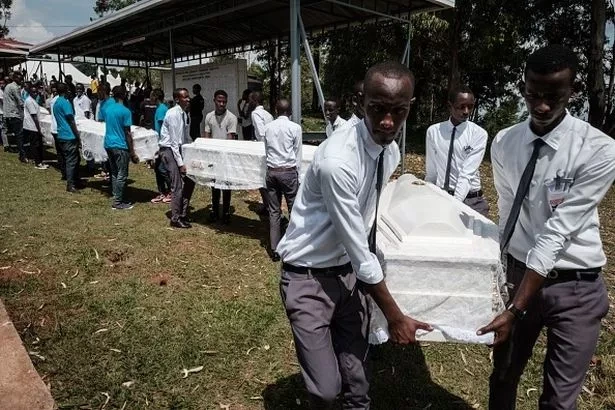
<point x="11" y="275"/>
<point x="117" y="255"/>
<point x="160" y="279"/>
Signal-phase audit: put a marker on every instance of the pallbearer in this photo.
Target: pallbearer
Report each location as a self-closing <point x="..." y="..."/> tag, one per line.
<point x="551" y="172"/>
<point x="454" y="150"/>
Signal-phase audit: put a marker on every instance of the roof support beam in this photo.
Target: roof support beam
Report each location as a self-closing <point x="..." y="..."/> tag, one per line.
<point x="366" y="10"/>
<point x="295" y="75"/>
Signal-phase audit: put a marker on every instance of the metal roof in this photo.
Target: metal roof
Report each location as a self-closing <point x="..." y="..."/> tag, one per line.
<point x="140" y="32"/>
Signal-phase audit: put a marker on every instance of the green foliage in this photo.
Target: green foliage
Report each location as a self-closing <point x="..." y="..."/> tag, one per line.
<point x="102" y="7"/>
<point x="502" y="116"/>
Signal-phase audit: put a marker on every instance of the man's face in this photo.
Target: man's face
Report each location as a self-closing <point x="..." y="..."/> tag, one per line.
<point x="2" y="84"/>
<point x="184" y="100"/>
<point x="196" y="90"/>
<point x="220" y="102"/>
<point x="80" y="90"/>
<point x="18" y="79"/>
<point x="546" y="96"/>
<point x="331" y="111"/>
<point x="462" y="107"/>
<point x="386" y="103"/>
<point x="152" y="98"/>
<point x="33" y="91"/>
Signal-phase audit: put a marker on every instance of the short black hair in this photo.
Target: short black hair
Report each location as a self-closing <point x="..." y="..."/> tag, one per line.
<point x="158" y="93"/>
<point x="177" y="92"/>
<point x="257" y="97"/>
<point x="119" y="92"/>
<point x="456" y="90"/>
<point x="221" y="92"/>
<point x="389" y="69"/>
<point x="551" y="59"/>
<point x="61" y="88"/>
<point x="197" y="86"/>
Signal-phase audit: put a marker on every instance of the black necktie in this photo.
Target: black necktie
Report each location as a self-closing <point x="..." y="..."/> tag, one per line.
<point x="447" y="177"/>
<point x="379" y="175"/>
<point x="522" y="190"/>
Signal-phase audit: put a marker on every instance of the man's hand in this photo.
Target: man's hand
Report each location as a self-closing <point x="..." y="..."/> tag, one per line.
<point x="182" y="169"/>
<point x="134" y="158"/>
<point x="403" y="331"/>
<point x="501" y="326"/>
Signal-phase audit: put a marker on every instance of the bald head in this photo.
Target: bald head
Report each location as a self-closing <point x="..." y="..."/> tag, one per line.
<point x="282" y="107"/>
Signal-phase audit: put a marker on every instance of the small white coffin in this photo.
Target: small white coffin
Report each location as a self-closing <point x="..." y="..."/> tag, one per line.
<point x="441" y="261"/>
<point x="232" y="164"/>
<point x="92" y="139"/>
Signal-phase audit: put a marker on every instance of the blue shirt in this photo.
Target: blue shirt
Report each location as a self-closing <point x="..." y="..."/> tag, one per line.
<point x="63" y="112"/>
<point x="117" y="117"/>
<point x="102" y="106"/>
<point x="159" y="117"/>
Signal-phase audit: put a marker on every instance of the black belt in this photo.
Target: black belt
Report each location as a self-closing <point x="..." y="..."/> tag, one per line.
<point x="331" y="270"/>
<point x="470" y="195"/>
<point x="567" y="275"/>
<point x="281" y="169"/>
<point x="563" y="275"/>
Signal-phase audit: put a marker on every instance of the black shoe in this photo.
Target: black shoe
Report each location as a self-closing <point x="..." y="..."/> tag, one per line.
<point x="72" y="190"/>
<point x="213" y="216"/>
<point x="63" y="178"/>
<point x="180" y="224"/>
<point x="81" y="184"/>
<point x="226" y="219"/>
<point x="275" y="257"/>
<point x="7" y="149"/>
<point x="24" y="160"/>
<point x="186" y="221"/>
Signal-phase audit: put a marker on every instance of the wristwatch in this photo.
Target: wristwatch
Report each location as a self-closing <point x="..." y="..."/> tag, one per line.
<point x="519" y="314"/>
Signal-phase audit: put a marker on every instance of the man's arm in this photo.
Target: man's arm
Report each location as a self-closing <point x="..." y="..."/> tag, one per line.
<point x="131" y="149"/>
<point x="232" y="129"/>
<point x="207" y="129"/>
<point x="431" y="173"/>
<point x="298" y="147"/>
<point x="259" y="126"/>
<point x="505" y="191"/>
<point x="338" y="184"/>
<point x="470" y="165"/>
<point x="73" y="126"/>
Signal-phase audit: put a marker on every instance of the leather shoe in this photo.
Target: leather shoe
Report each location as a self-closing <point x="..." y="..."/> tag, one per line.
<point x="72" y="190"/>
<point x="186" y="221"/>
<point x="180" y="224"/>
<point x="275" y="257"/>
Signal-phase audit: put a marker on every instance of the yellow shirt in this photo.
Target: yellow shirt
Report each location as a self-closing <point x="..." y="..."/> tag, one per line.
<point x="94" y="86"/>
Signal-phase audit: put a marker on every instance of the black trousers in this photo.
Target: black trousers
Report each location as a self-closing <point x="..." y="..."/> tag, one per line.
<point x="36" y="145"/>
<point x="226" y="201"/>
<point x="70" y="151"/>
<point x="195" y="127"/>
<point x="59" y="156"/>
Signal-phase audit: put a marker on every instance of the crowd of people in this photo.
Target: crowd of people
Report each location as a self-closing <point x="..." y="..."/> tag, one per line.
<point x="550" y="173"/>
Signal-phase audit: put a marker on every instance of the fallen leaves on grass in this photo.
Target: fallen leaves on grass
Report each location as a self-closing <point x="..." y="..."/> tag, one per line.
<point x="106" y="401"/>
<point x="75" y="274"/>
<point x="530" y="390"/>
<point x="100" y="331"/>
<point x="37" y="355"/>
<point x="186" y="372"/>
<point x="5" y="267"/>
<point x="115" y="350"/>
<point x="128" y="383"/>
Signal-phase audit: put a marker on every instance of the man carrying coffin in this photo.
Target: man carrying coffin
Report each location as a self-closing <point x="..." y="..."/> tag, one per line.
<point x="329" y="263"/>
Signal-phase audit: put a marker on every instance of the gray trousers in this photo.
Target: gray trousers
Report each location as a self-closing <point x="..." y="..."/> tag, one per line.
<point x="181" y="186"/>
<point x="279" y="182"/>
<point x="479" y="204"/>
<point x="329" y="319"/>
<point x="571" y="311"/>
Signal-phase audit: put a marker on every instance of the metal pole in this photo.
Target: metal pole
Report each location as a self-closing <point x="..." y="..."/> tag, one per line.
<point x="406" y="61"/>
<point x="59" y="66"/>
<point x="308" y="53"/>
<point x="172" y="59"/>
<point x="295" y="75"/>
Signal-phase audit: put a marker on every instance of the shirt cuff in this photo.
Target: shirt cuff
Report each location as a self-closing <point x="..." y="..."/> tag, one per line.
<point x="370" y="271"/>
<point x="539" y="263"/>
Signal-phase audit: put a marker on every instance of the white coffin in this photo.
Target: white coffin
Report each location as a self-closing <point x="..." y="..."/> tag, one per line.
<point x="441" y="261"/>
<point x="92" y="139"/>
<point x="232" y="164"/>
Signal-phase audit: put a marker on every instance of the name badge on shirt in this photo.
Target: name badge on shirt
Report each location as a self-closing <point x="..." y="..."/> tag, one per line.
<point x="467" y="149"/>
<point x="557" y="188"/>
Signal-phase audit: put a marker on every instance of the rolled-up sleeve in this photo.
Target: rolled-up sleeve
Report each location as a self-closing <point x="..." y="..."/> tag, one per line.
<point x="339" y="185"/>
<point x="470" y="165"/>
<point x="594" y="180"/>
<point x="431" y="174"/>
<point x="506" y="193"/>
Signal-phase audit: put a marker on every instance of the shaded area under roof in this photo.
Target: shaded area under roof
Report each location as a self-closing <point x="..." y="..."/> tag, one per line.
<point x="141" y="32"/>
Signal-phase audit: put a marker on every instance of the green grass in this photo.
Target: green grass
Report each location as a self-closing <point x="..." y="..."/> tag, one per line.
<point x="169" y="300"/>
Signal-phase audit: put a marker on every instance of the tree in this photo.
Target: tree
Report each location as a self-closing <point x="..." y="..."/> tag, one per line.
<point x="102" y="7"/>
<point x="595" y="72"/>
<point x="5" y="16"/>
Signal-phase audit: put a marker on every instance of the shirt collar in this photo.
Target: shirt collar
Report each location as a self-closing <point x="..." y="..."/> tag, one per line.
<point x="554" y="137"/>
<point x="259" y="107"/>
<point x="370" y="145"/>
<point x="284" y="117"/>
<point x="460" y="127"/>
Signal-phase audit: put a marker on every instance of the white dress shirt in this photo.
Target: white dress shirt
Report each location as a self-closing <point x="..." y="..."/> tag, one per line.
<point x="82" y="105"/>
<point x="558" y="225"/>
<point x="260" y="118"/>
<point x="283" y="141"/>
<point x="219" y="126"/>
<point x="339" y="122"/>
<point x="175" y="132"/>
<point x="30" y="108"/>
<point x="54" y="125"/>
<point x="1" y="102"/>
<point x="353" y="120"/>
<point x="334" y="208"/>
<point x="468" y="152"/>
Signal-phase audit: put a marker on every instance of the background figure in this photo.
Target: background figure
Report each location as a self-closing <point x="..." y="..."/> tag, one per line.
<point x="221" y="124"/>
<point x="13" y="114"/>
<point x="334" y="121"/>
<point x="245" y="116"/>
<point x="197" y="105"/>
<point x="32" y="128"/>
<point x="163" y="179"/>
<point x="283" y="144"/>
